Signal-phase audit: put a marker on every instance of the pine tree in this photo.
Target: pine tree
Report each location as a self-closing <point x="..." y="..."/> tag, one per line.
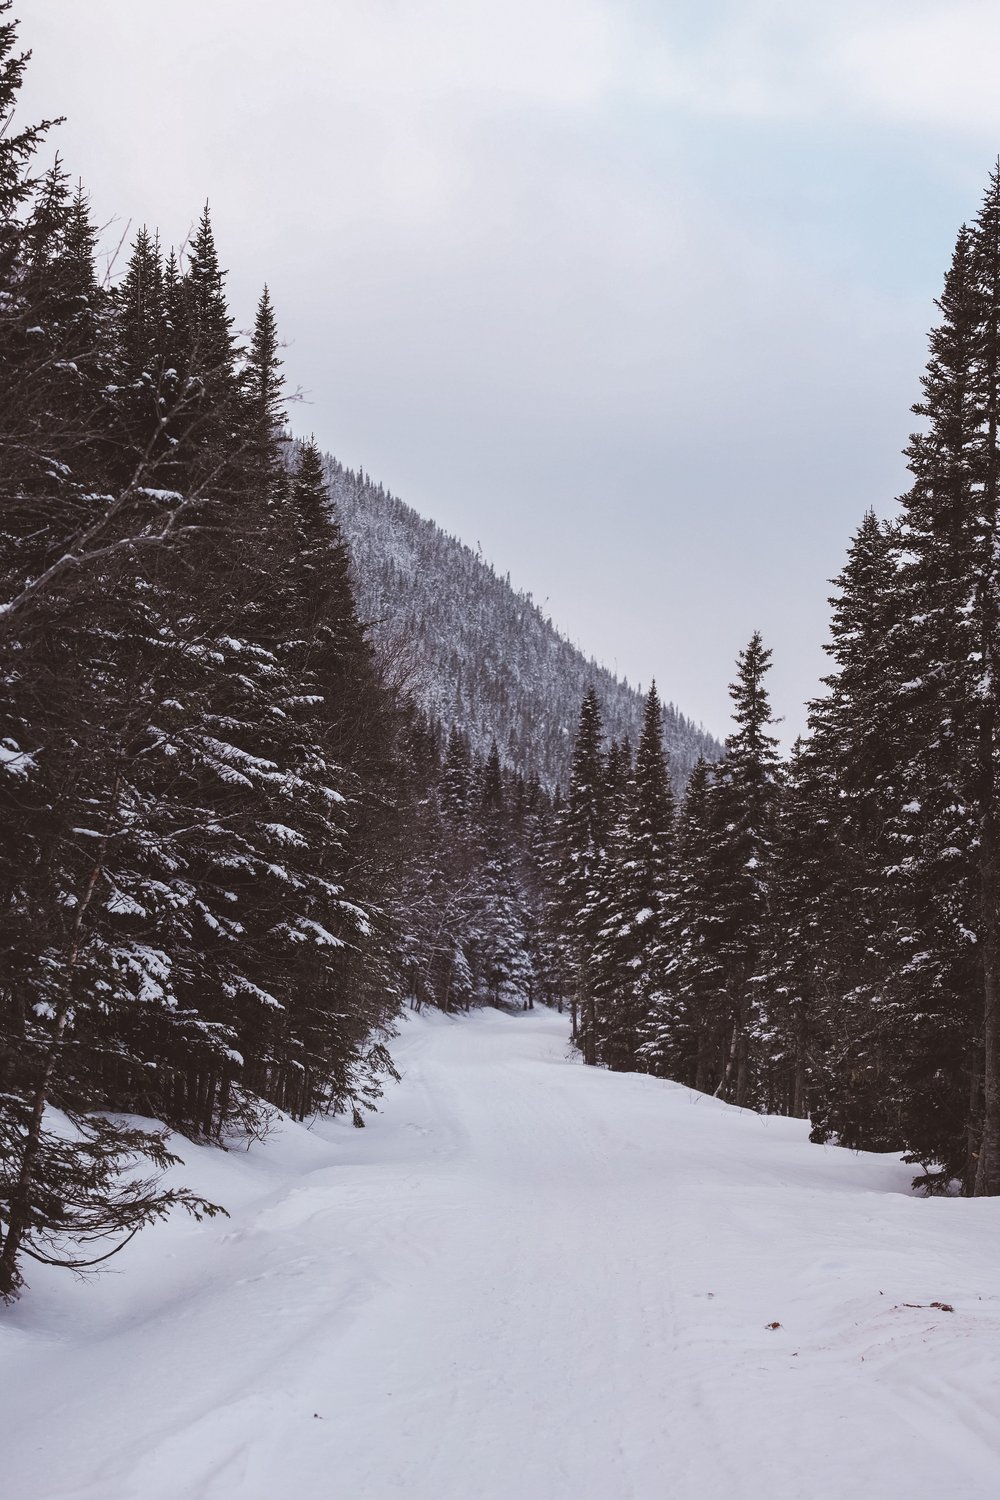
<point x="630" y="952"/>
<point x="984" y="599"/>
<point x="141" y="388"/>
<point x="264" y="394"/>
<point x="833" y="915"/>
<point x="796" y="1031"/>
<point x="457" y="782"/>
<point x="744" y="808"/>
<point x="547" y="852"/>
<point x="51" y="374"/>
<point x="212" y="345"/>
<point x="68" y="731"/>
<point x="685" y="1026"/>
<point x="940" y="931"/>
<point x="908" y="737"/>
<point x="583" y="830"/>
<point x="196" y="801"/>
<point x="205" y="398"/>
<point x="17" y="147"/>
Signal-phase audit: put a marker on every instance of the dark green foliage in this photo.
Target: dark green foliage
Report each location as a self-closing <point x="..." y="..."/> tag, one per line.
<point x="637" y="892"/>
<point x="803" y="959"/>
<point x="681" y="1027"/>
<point x="198" y="821"/>
<point x="744" y="808"/>
<point x="831" y="944"/>
<point x="582" y="835"/>
<point x="78" y="1200"/>
<point x="18" y="145"/>
<point x="263" y="387"/>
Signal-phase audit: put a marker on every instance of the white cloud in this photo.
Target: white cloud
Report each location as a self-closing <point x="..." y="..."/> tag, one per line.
<point x="917" y="62"/>
<point x="936" y="66"/>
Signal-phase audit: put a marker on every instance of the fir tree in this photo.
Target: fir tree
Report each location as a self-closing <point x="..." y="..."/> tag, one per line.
<point x="630" y="953"/>
<point x="797" y="1032"/>
<point x="212" y="345"/>
<point x="17" y="146"/>
<point x="583" y="830"/>
<point x="744" y="808"/>
<point x="940" y="935"/>
<point x="844" y="783"/>
<point x="684" y="1029"/>
<point x="264" y="390"/>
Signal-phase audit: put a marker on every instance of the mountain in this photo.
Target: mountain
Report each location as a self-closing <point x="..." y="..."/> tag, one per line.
<point x="475" y="651"/>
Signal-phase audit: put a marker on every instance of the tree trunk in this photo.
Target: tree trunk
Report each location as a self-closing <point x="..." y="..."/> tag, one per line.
<point x="727" y="1072"/>
<point x="590" y="1040"/>
<point x="20" y="1199"/>
<point x="742" y="1057"/>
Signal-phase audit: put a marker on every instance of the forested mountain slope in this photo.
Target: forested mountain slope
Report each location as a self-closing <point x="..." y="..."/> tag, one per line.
<point x="477" y="652"/>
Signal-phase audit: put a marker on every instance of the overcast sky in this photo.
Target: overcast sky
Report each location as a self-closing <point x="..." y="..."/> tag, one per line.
<point x="633" y="293"/>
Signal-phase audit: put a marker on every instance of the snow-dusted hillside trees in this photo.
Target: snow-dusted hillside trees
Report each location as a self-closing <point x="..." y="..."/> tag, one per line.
<point x="476" y="652"/>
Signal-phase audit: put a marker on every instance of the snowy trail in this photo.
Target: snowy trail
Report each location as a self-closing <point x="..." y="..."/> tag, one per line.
<point x="526" y="1281"/>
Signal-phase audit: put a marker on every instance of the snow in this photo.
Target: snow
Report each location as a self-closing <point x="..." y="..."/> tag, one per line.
<point x="284" y="834"/>
<point x="304" y="928"/>
<point x="15" y="760"/>
<point x="154" y="494"/>
<point x="525" y="1279"/>
<point x="124" y="905"/>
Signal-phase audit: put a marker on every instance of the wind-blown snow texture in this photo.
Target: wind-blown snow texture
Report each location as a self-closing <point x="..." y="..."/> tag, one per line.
<point x="478" y="653"/>
<point x="531" y="1279"/>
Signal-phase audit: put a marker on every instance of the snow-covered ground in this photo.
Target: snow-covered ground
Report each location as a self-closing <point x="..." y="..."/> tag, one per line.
<point x="527" y="1280"/>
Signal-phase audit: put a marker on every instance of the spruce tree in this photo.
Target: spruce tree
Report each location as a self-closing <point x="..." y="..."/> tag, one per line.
<point x="210" y="323"/>
<point x="583" y="831"/>
<point x="630" y="952"/>
<point x="843" y="786"/>
<point x="142" y="387"/>
<point x="984" y="600"/>
<point x="684" y="1026"/>
<point x="17" y="146"/>
<point x="744" y="812"/>
<point x="941" y="940"/>
<point x="796" y="1030"/>
<point x="263" y="388"/>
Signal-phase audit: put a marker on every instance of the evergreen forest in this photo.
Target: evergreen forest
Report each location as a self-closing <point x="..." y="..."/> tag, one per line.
<point x="244" y="824"/>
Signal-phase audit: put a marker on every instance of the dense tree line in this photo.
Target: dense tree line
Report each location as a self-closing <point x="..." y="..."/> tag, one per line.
<point x="471" y="892"/>
<point x="821" y="936"/>
<point x="198" y="809"/>
<point x="231" y="844"/>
